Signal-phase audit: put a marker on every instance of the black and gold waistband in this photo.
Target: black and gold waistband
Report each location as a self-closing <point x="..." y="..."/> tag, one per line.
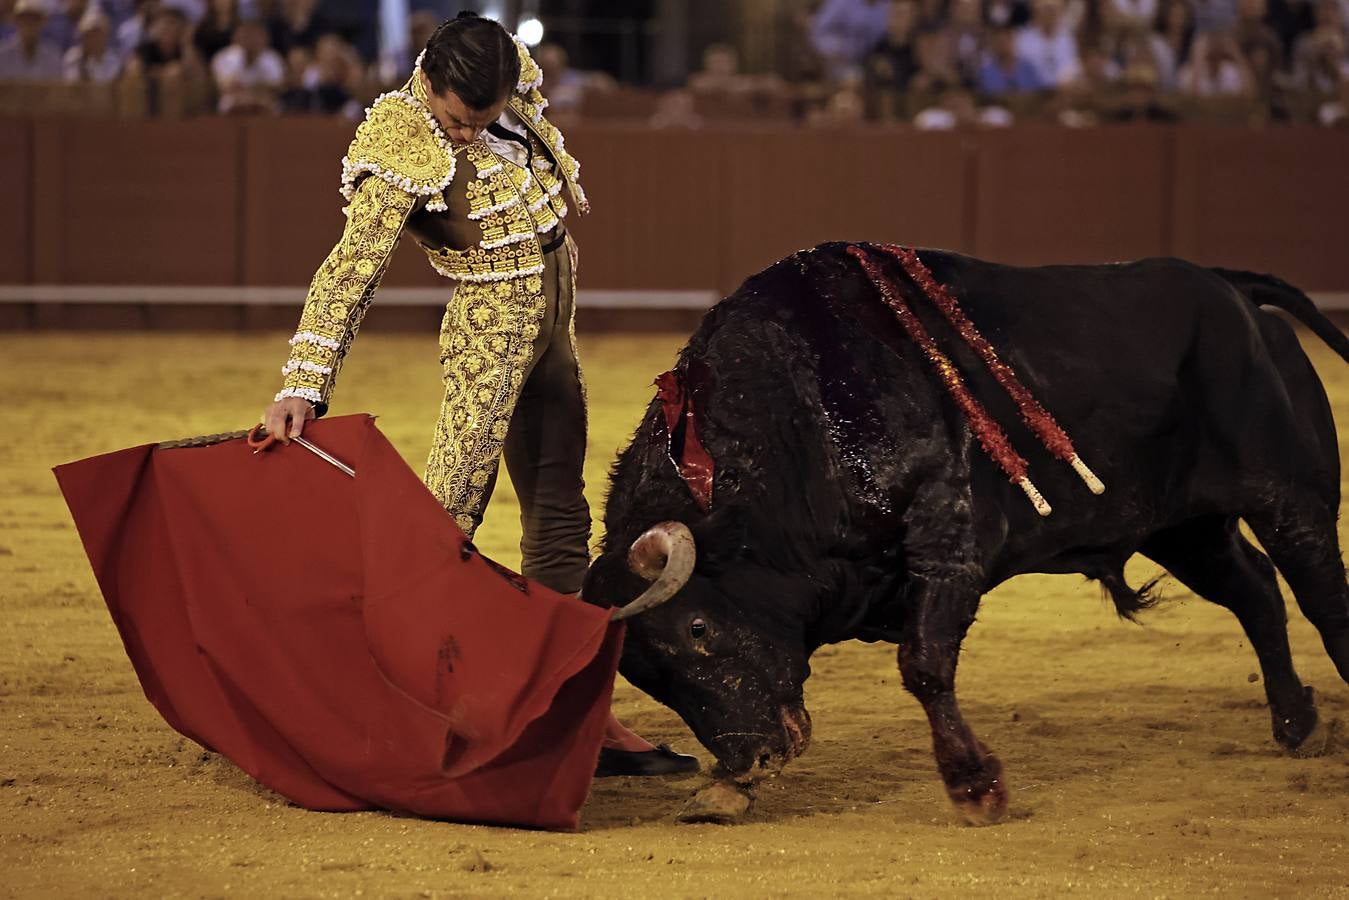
<point x="555" y="243"/>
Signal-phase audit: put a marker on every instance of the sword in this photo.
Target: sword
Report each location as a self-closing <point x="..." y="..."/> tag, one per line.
<point x="324" y="455"/>
<point x="259" y="444"/>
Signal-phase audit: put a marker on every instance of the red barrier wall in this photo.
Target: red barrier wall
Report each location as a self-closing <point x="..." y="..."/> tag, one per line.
<point x="1273" y="201"/>
<point x="136" y="203"/>
<point x="1054" y="195"/>
<point x="16" y="215"/>
<point x="255" y="202"/>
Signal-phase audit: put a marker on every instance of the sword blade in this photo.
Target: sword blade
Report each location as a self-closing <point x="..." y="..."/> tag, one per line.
<point x="324" y="455"/>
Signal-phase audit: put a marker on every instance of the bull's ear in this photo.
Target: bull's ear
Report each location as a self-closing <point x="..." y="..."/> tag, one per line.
<point x="720" y="537"/>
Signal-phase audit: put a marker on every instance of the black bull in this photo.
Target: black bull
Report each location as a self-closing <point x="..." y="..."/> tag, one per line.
<point x="850" y="500"/>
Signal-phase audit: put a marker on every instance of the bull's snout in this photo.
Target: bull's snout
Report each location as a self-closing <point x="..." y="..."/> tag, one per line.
<point x="749" y="756"/>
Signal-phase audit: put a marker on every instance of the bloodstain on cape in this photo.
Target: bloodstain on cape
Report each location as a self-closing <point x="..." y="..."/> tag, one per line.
<point x="337" y="638"/>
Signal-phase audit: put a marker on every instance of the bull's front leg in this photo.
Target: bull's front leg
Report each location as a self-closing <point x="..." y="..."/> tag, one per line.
<point x="940" y="612"/>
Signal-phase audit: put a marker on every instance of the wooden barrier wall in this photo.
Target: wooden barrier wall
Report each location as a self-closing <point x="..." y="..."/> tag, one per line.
<point x="254" y="202"/>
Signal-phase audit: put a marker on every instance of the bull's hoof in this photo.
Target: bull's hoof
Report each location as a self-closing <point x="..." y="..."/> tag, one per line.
<point x="721" y="803"/>
<point x="1320" y="742"/>
<point x="987" y="808"/>
<point x="981" y="800"/>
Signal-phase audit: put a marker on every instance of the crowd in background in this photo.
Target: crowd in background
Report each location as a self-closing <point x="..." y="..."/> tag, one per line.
<point x="185" y="56"/>
<point x="937" y="63"/>
<point x="946" y="61"/>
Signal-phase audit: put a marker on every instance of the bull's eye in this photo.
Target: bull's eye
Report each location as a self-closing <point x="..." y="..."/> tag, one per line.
<point x="697" y="628"/>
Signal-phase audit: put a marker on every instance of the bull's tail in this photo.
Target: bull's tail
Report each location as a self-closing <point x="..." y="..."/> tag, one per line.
<point x="1266" y="290"/>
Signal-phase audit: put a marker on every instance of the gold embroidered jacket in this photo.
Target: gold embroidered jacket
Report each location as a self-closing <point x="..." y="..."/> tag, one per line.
<point x="480" y="224"/>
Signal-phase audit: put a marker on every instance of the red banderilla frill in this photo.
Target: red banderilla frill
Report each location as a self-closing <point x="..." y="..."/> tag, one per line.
<point x="1036" y="417"/>
<point x="990" y="435"/>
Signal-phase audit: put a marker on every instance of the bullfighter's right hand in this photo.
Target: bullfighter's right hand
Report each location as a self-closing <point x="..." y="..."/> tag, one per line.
<point x="285" y="418"/>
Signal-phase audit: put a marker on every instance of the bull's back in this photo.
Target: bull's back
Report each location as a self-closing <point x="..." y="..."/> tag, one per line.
<point x="1131" y="343"/>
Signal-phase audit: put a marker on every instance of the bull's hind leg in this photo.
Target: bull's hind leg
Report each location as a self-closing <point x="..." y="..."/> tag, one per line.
<point x="940" y="615"/>
<point x="1211" y="557"/>
<point x="1299" y="534"/>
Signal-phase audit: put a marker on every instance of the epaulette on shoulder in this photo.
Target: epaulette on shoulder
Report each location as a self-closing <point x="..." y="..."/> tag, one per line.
<point x="529" y="104"/>
<point x="401" y="143"/>
<point x="531" y="75"/>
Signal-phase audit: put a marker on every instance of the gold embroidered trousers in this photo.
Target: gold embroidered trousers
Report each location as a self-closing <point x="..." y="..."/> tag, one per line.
<point x="513" y="387"/>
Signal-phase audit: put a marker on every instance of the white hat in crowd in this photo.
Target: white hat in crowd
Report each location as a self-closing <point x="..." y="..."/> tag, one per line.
<point x="32" y="8"/>
<point x="94" y="17"/>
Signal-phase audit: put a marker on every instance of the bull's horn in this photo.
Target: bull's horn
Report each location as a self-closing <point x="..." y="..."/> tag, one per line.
<point x="663" y="555"/>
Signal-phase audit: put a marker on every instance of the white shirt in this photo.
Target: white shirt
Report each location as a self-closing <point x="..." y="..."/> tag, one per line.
<point x="1054" y="56"/>
<point x="93" y="71"/>
<point x="1199" y="81"/>
<point x="514" y="151"/>
<point x="232" y="71"/>
<point x="14" y="66"/>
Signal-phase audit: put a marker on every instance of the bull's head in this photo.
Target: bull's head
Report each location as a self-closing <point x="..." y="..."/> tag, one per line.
<point x="726" y="651"/>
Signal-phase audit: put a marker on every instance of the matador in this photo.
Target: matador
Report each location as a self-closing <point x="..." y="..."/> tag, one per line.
<point x="463" y="158"/>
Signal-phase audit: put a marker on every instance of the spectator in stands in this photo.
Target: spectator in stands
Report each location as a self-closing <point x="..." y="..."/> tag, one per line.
<point x="1172" y="41"/>
<point x="674" y="109"/>
<point x="26" y="56"/>
<point x="296" y="96"/>
<point x="845" y="106"/>
<point x="720" y="72"/>
<point x="1319" y="55"/>
<point x="248" y="74"/>
<point x="1320" y="64"/>
<point x="1252" y="25"/>
<point x="323" y="81"/>
<point x="932" y="14"/>
<point x="798" y="62"/>
<point x="1335" y="110"/>
<point x="132" y="32"/>
<point x="215" y="31"/>
<point x="1216" y="68"/>
<point x="844" y="31"/>
<point x="62" y="28"/>
<point x="1100" y="73"/>
<point x="166" y="65"/>
<point x="888" y="69"/>
<point x="298" y="24"/>
<point x="953" y="108"/>
<point x="937" y="72"/>
<point x="967" y="35"/>
<point x="1006" y="13"/>
<point x="1291" y="19"/>
<point x="92" y="60"/>
<point x="1269" y="83"/>
<point x="1003" y="72"/>
<point x="1214" y="15"/>
<point x="1139" y="99"/>
<point x="1118" y="16"/>
<point x="564" y="86"/>
<point x="1049" y="44"/>
<point x="165" y="47"/>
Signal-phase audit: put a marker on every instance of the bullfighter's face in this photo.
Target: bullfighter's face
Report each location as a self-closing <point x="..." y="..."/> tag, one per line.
<point x="728" y="653"/>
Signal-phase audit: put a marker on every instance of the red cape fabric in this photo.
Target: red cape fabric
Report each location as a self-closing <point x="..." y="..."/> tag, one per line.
<point x="332" y="636"/>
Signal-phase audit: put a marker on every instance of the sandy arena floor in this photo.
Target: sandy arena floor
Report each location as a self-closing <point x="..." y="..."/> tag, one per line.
<point x="1139" y="758"/>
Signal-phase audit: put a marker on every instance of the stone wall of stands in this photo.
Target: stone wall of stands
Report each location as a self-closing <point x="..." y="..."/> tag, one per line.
<point x="221" y="202"/>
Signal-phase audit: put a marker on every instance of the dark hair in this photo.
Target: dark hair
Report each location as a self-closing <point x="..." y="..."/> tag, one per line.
<point x="475" y="58"/>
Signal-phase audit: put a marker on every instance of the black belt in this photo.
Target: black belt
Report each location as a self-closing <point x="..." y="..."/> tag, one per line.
<point x="555" y="242"/>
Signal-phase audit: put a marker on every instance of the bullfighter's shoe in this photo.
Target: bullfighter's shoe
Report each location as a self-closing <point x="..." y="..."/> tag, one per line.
<point x="661" y="761"/>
